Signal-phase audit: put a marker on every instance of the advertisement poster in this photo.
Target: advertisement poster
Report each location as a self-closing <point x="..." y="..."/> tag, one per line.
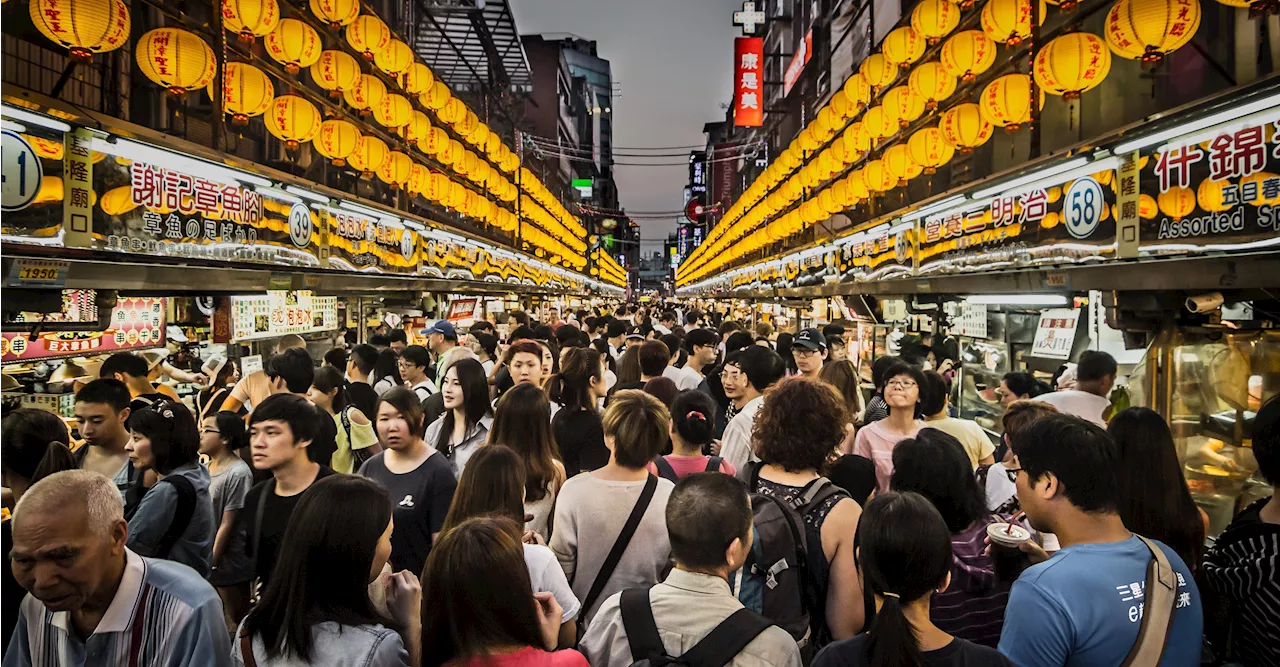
<point x="281" y="312"/>
<point x="1056" y="333"/>
<point x="136" y="324"/>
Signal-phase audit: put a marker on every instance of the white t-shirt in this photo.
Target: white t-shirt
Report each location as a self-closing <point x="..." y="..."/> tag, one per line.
<point x="1079" y="403"/>
<point x="999" y="489"/>
<point x="689" y="379"/>
<point x="547" y="577"/>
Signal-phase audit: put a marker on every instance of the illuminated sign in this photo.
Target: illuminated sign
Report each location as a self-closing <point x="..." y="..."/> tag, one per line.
<point x="801" y="58"/>
<point x="748" y="82"/>
<point x="281" y="312"/>
<point x="136" y="323"/>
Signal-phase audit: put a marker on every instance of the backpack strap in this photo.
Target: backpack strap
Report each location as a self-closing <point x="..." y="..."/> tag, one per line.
<point x="726" y="640"/>
<point x="642" y="630"/>
<point x="182" y="513"/>
<point x="246" y="650"/>
<point x="815" y="493"/>
<point x="619" y="546"/>
<point x="714" y="463"/>
<point x="1161" y="592"/>
<point x="665" y="471"/>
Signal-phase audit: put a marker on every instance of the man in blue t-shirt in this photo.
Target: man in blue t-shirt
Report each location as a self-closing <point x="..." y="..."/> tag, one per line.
<point x="1084" y="605"/>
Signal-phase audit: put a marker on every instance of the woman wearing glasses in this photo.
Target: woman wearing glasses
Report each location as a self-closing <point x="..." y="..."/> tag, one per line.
<point x="876" y="440"/>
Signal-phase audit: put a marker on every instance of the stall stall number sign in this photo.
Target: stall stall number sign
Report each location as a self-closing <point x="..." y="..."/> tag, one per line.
<point x="461" y="310"/>
<point x="21" y="172"/>
<point x="136" y="323"/>
<point x="37" y="273"/>
<point x="1056" y="333"/>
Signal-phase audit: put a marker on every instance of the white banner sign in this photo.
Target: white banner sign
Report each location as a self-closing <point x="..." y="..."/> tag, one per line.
<point x="1056" y="333"/>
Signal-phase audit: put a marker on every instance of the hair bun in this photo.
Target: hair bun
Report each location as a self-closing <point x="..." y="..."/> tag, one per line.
<point x="694" y="414"/>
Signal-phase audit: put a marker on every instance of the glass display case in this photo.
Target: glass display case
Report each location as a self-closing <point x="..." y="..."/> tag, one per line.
<point x="982" y="364"/>
<point x="1209" y="384"/>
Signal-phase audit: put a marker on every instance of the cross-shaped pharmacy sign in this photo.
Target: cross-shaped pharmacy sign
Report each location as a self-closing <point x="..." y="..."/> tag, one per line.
<point x="748" y="18"/>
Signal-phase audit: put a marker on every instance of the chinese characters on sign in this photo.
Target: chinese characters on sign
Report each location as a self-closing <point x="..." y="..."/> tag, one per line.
<point x="77" y="203"/>
<point x="748" y="86"/>
<point x="158" y="188"/>
<point x="1127" y="198"/>
<point x="136" y="323"/>
<point x="1056" y="333"/>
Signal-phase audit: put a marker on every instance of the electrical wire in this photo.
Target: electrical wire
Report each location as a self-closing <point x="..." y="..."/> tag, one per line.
<point x="715" y="155"/>
<point x="555" y="154"/>
<point x="549" y="140"/>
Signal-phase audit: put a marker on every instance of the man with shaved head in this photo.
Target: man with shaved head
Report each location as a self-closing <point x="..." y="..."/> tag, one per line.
<point x="93" y="601"/>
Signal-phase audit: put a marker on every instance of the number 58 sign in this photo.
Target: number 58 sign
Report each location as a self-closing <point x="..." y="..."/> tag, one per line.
<point x="1082" y="208"/>
<point x="21" y="173"/>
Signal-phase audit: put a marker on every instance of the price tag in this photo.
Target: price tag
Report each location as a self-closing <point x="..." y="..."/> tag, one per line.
<point x="37" y="273"/>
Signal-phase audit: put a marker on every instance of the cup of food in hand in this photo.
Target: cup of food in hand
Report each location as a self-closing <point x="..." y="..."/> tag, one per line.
<point x="1006" y="542"/>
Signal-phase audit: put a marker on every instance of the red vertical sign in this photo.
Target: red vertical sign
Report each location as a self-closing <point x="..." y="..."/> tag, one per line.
<point x="748" y="82"/>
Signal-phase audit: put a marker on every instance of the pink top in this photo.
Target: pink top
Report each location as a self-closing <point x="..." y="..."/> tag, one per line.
<point x="876" y="442"/>
<point x="687" y="465"/>
<point x="527" y="657"/>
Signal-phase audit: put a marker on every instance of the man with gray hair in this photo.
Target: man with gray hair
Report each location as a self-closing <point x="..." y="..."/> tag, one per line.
<point x="92" y="600"/>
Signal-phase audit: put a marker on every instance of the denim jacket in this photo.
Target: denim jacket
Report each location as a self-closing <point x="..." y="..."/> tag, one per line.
<point x="334" y="645"/>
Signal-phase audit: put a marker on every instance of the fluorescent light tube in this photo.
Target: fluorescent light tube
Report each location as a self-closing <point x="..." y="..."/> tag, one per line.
<point x="363" y="210"/>
<point x="1225" y="116"/>
<point x="1031" y="178"/>
<point x="306" y="194"/>
<point x="1017" y="300"/>
<point x="39" y="120"/>
<point x="932" y="208"/>
<point x="159" y="157"/>
<point x="278" y="194"/>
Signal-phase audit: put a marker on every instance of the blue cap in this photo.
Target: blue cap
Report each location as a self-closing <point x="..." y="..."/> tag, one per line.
<point x="441" y="327"/>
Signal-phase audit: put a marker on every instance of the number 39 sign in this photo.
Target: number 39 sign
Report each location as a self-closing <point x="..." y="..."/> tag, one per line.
<point x="21" y="172"/>
<point x="1082" y="209"/>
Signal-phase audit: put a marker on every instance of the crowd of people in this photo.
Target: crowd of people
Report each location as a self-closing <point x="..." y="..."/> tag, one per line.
<point x="615" y="487"/>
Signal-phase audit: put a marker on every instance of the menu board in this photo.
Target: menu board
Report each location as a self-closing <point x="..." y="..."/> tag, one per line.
<point x="281" y="312"/>
<point x="136" y="324"/>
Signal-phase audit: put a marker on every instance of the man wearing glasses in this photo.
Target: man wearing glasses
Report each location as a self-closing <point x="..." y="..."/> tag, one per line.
<point x="809" y="350"/>
<point x="745" y="377"/>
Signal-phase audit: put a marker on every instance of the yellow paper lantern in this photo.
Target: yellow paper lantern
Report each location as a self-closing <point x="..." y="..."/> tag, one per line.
<point x="293" y="120"/>
<point x="47" y="149"/>
<point x="457" y="195"/>
<point x="858" y="91"/>
<point x="855" y="138"/>
<point x="878" y="123"/>
<point x="841" y="107"/>
<point x="932" y="82"/>
<point x="395" y="169"/>
<point x="246" y="92"/>
<point x="335" y="71"/>
<point x="878" y="71"/>
<point x="368" y="35"/>
<point x="1006" y="102"/>
<point x="294" y="44"/>
<point x="468" y="124"/>
<point x="366" y="94"/>
<point x="437" y="95"/>
<point x="877" y="177"/>
<point x="435" y="140"/>
<point x="453" y="111"/>
<point x="1177" y="202"/>
<point x="250" y="18"/>
<point x="418" y="79"/>
<point x="964" y="127"/>
<point x="930" y="149"/>
<point x="968" y="54"/>
<point x="1008" y="21"/>
<point x="904" y="104"/>
<point x="117" y="201"/>
<point x="1147" y="207"/>
<point x="437" y="187"/>
<point x="806" y="141"/>
<point x="369" y="155"/>
<point x="84" y="27"/>
<point x="393" y="111"/>
<point x="176" y="59"/>
<point x="1072" y="64"/>
<point x="419" y="178"/>
<point x="903" y="46"/>
<point x="1209" y="195"/>
<point x="394" y="58"/>
<point x="897" y="160"/>
<point x="418" y="127"/>
<point x="1150" y="29"/>
<point x="337" y="140"/>
<point x="336" y="13"/>
<point x="935" y="19"/>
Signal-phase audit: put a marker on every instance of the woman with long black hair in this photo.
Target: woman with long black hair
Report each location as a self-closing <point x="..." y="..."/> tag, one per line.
<point x="904" y="555"/>
<point x="467" y="417"/>
<point x="577" y="388"/>
<point x="523" y="423"/>
<point x="354" y="438"/>
<point x="316" y="610"/>
<point x="386" y="372"/>
<point x="479" y="605"/>
<point x="1154" y="499"/>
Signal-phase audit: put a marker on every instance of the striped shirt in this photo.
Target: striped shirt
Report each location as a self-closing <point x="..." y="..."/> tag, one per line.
<point x="163" y="615"/>
<point x="1244" y="566"/>
<point x="972" y="607"/>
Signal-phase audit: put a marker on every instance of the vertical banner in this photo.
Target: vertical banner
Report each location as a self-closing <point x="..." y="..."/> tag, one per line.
<point x="77" y="204"/>
<point x="1127" y="198"/>
<point x="748" y="82"/>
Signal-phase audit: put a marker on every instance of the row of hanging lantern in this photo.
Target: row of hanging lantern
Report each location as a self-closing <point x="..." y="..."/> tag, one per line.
<point x="890" y="91"/>
<point x="607" y="268"/>
<point x="181" y="61"/>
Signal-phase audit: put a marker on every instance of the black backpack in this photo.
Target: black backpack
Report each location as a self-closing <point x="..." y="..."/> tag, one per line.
<point x="665" y="470"/>
<point x="717" y="649"/>
<point x="182" y="512"/>
<point x="777" y="581"/>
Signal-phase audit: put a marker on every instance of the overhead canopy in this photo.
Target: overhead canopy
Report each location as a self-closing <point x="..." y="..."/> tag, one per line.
<point x="472" y="44"/>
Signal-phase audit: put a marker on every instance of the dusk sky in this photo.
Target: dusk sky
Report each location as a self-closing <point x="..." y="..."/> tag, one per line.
<point x="673" y="59"/>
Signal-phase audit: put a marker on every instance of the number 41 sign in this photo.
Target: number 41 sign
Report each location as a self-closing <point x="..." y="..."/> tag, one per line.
<point x="21" y="172"/>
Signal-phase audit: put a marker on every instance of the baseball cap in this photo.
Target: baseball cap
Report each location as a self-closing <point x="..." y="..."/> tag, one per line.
<point x="213" y="366"/>
<point x="441" y="327"/>
<point x="635" y="332"/>
<point x="811" y="339"/>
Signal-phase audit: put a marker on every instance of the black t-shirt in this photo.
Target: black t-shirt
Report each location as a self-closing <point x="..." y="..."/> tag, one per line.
<point x="11" y="594"/>
<point x="580" y="439"/>
<point x="421" y="499"/>
<point x="275" y="520"/>
<point x="325" y="443"/>
<point x="959" y="653"/>
<point x="364" y="398"/>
